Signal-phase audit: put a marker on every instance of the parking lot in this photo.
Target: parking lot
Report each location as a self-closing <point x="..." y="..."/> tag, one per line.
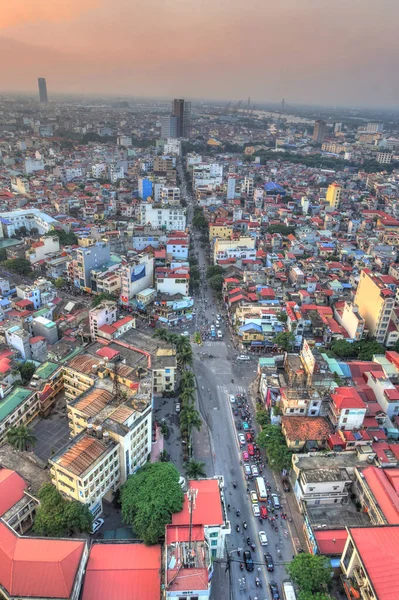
<point x="51" y="435"/>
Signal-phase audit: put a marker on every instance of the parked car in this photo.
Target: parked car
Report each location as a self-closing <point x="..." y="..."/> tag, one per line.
<point x="245" y="456"/>
<point x="241" y="439"/>
<point x="245" y="426"/>
<point x="263" y="511"/>
<point x="232" y="398"/>
<point x="269" y="562"/>
<point x="247" y="470"/>
<point x="255" y="471"/>
<point x="248" y="437"/>
<point x="251" y="450"/>
<point x="249" y="563"/>
<point x="286" y="484"/>
<point x="185" y="334"/>
<point x="262" y="538"/>
<point x="177" y="407"/>
<point x="254" y="497"/>
<point x="276" y="501"/>
<point x="220" y="334"/>
<point x="275" y="594"/>
<point x="256" y="510"/>
<point x="96" y="525"/>
<point x="243" y="357"/>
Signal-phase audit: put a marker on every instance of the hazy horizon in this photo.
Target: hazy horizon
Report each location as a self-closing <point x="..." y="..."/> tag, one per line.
<point x="310" y="52"/>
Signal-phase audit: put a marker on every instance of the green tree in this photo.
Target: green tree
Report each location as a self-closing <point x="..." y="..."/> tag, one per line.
<point x="21" y="266"/>
<point x="197" y="337"/>
<point x="21" y="438"/>
<point x="59" y="283"/>
<point x="182" y="343"/>
<point x="282" y="317"/>
<point x="272" y="440"/>
<point x="163" y="456"/>
<point x="314" y="596"/>
<point x="58" y="517"/>
<point x="149" y="498"/>
<point x="195" y="469"/>
<point x="344" y="349"/>
<point x="216" y="282"/>
<point x="214" y="270"/>
<point x="185" y="358"/>
<point x="283" y="229"/>
<point x="26" y="370"/>
<point x="262" y="418"/>
<point x="67" y="238"/>
<point x="285" y="340"/>
<point x="187" y="379"/>
<point x="312" y="573"/>
<point x="190" y="419"/>
<point x="100" y="297"/>
<point x="161" y="334"/>
<point x="187" y="395"/>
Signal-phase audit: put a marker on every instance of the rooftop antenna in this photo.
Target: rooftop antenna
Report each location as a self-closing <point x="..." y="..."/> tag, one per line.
<point x="191" y="496"/>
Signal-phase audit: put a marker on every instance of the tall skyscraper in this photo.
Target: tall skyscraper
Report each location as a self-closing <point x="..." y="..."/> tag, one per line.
<point x="182" y="110"/>
<point x="42" y="89"/>
<point x="169" y="127"/>
<point x="319" y="131"/>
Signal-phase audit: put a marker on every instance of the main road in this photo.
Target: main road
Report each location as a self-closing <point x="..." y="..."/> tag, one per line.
<point x="217" y="446"/>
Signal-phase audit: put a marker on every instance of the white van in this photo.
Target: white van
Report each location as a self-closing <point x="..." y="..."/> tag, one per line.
<point x="220" y="335"/>
<point x="288" y="591"/>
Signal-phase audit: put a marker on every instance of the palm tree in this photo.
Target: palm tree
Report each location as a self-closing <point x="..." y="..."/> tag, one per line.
<point x="187" y="379"/>
<point x="195" y="469"/>
<point x="189" y="418"/>
<point x="185" y="358"/>
<point x="182" y="343"/>
<point x="20" y="437"/>
<point x="187" y="395"/>
<point x="162" y="334"/>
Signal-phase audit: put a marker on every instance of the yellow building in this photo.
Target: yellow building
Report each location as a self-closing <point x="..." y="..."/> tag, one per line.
<point x="333" y="195"/>
<point x="79" y="375"/>
<point x="82" y="410"/>
<point x="375" y="301"/>
<point x="220" y="231"/>
<point x="87" y="469"/>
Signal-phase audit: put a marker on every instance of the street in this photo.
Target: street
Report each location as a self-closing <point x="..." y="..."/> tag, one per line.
<point x="218" y="447"/>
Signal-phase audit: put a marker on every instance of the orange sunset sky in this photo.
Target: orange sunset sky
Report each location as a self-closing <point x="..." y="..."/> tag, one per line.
<point x="309" y="51"/>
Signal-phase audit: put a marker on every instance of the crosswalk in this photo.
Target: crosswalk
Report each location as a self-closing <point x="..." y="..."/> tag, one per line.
<point x="208" y="344"/>
<point x="224" y="390"/>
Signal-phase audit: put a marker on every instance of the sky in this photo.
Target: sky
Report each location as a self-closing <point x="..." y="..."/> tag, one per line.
<point x="332" y="52"/>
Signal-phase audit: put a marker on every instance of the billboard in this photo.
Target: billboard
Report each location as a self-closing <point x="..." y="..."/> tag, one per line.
<point x="138" y="273"/>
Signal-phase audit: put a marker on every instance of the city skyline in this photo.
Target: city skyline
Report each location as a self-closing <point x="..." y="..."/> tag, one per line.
<point x="306" y="56"/>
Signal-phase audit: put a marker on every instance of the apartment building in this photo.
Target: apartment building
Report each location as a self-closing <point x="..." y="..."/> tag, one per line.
<point x="375" y="297"/>
<point x="333" y="195"/>
<point x="137" y="276"/>
<point x="87" y="469"/>
<point x="223" y="231"/>
<point x="243" y="248"/>
<point x="171" y="218"/>
<point x="353" y="322"/>
<point x="39" y="250"/>
<point x="296" y="402"/>
<point x="19" y="407"/>
<point x="31" y="293"/>
<point x="370" y="563"/>
<point x="79" y="375"/>
<point x="346" y="409"/>
<point x="172" y="281"/>
<point x="103" y="314"/>
<point x="30" y="218"/>
<point x="384" y="158"/>
<point x="170" y="195"/>
<point x="90" y="258"/>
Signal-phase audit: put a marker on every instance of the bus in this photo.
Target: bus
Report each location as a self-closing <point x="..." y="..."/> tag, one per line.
<point x="260" y="489"/>
<point x="288" y="591"/>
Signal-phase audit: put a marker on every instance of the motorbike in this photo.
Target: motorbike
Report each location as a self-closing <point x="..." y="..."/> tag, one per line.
<point x="241" y="567"/>
<point x="244" y="524"/>
<point x="258" y="582"/>
<point x="248" y="541"/>
<point x="237" y="528"/>
<point x="238" y="513"/>
<point x="253" y="547"/>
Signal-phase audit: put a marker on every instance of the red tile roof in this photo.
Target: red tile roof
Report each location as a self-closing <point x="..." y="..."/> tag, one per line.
<point x="208" y="507"/>
<point x="107" y="353"/>
<point x="33" y="567"/>
<point x="12" y="488"/>
<point x="377" y="547"/>
<point x="122" y="572"/>
<point x="346" y="397"/>
<point x="383" y="492"/>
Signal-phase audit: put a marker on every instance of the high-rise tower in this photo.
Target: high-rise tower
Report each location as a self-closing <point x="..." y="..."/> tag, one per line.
<point x="42" y="89"/>
<point x="182" y="110"/>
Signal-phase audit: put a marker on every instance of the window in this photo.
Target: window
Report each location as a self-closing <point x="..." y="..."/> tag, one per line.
<point x="344" y="420"/>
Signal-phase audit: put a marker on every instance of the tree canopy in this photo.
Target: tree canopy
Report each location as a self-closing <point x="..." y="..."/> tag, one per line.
<point x="21" y="266"/>
<point x="67" y="238"/>
<point x="100" y="297"/>
<point x="312" y="573"/>
<point x="58" y="517"/>
<point x="20" y="437"/>
<point x="216" y="282"/>
<point x="284" y="340"/>
<point x="149" y="498"/>
<point x="363" y="350"/>
<point x="272" y="440"/>
<point x="26" y="370"/>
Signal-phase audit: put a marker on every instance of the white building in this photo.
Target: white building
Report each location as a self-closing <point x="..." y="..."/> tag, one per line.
<point x="103" y="314"/>
<point x="172" y="281"/>
<point x="352" y="321"/>
<point x="231" y="188"/>
<point x="116" y="172"/>
<point x="31" y="165"/>
<point x="172" y="146"/>
<point x="20" y="186"/>
<point x="31" y="219"/>
<point x="207" y="174"/>
<point x="99" y="170"/>
<point x="248" y="186"/>
<point x="124" y="140"/>
<point x="170" y="195"/>
<point x="171" y="218"/>
<point x="18" y="338"/>
<point x="27" y="292"/>
<point x="39" y="250"/>
<point x="136" y="277"/>
<point x="386" y="393"/>
<point x="384" y="158"/>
